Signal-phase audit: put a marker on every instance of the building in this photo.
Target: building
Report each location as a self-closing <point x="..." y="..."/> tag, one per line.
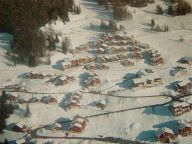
<point x="78" y="124"/>
<point x="165" y="135"/>
<point x="184" y="87"/>
<point x="179" y="108"/>
<point x="127" y="63"/>
<point x="101" y="104"/>
<point x="48" y="100"/>
<point x="63" y="80"/>
<point x="56" y="127"/>
<point x="147" y="81"/>
<point x="90" y="67"/>
<point x="187" y="60"/>
<point x="102" y="66"/>
<point x="72" y="104"/>
<point x="92" y="82"/>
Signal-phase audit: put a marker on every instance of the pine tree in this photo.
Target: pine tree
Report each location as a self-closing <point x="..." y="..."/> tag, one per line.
<point x="27" y="112"/>
<point x="6" y="141"/>
<point x="32" y="60"/>
<point x="152" y="23"/>
<point x="56" y="38"/>
<point x="159" y="10"/>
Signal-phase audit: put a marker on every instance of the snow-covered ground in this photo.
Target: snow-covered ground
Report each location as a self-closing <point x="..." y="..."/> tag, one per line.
<point x="135" y="124"/>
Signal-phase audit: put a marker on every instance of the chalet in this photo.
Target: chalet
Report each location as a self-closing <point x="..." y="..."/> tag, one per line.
<point x="134" y="49"/>
<point x="107" y="58"/>
<point x="101" y="104"/>
<point x="66" y="65"/>
<point x="139" y="83"/>
<point x="165" y="135"/>
<point x="114" y="58"/>
<point x="78" y="124"/>
<point x="33" y="100"/>
<point x="92" y="81"/>
<point x="122" y="56"/>
<point x="102" y="66"/>
<point x="178" y="108"/>
<point x="90" y="67"/>
<point x="156" y="61"/>
<point x="71" y="104"/>
<point x="126" y="63"/>
<point x="48" y="100"/>
<point x="137" y="55"/>
<point x="185" y="129"/>
<point x="76" y="96"/>
<point x="11" y="98"/>
<point x="100" y="51"/>
<point x="149" y="71"/>
<point x="22" y="101"/>
<point x="63" y="80"/>
<point x="101" y="59"/>
<point x="20" y="127"/>
<point x="32" y="75"/>
<point x="56" y="127"/>
<point x="184" y="87"/>
<point x="188" y="60"/>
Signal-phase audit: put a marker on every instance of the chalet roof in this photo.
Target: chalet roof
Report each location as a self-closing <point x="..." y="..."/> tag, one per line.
<point x="79" y="119"/>
<point x="101" y="49"/>
<point x="103" y="102"/>
<point x="77" y="125"/>
<point x="138" y="80"/>
<point x="21" y="141"/>
<point x="63" y="77"/>
<point x="20" y="124"/>
<point x="33" y="72"/>
<point x="184" y="82"/>
<point x="164" y="130"/>
<point x="178" y="104"/>
<point x="57" y="125"/>
<point x="65" y="63"/>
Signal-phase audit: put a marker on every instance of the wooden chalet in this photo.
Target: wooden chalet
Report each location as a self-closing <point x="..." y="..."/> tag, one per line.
<point x="33" y="100"/>
<point x="185" y="127"/>
<point x="11" y="98"/>
<point x="139" y="83"/>
<point x="100" y="51"/>
<point x="156" y="61"/>
<point x="137" y="55"/>
<point x="72" y="104"/>
<point x="92" y="81"/>
<point x="90" y="67"/>
<point x="184" y="87"/>
<point x="56" y="127"/>
<point x="66" y="65"/>
<point x="65" y="80"/>
<point x="165" y="135"/>
<point x="32" y="75"/>
<point x="78" y="124"/>
<point x="179" y="108"/>
<point x="102" y="66"/>
<point x="122" y="56"/>
<point x="22" y="101"/>
<point x="48" y="100"/>
<point x="126" y="63"/>
<point x="101" y="104"/>
<point x="20" y="127"/>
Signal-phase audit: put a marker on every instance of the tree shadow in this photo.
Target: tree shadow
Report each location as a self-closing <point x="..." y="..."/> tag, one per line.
<point x="65" y="123"/>
<point x="83" y="77"/>
<point x="172" y="85"/>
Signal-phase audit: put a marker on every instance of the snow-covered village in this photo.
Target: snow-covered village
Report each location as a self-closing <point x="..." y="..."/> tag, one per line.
<point x="96" y="72"/>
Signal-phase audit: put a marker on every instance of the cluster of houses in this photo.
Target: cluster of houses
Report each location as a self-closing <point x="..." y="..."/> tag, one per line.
<point x="39" y="75"/>
<point x="98" y="66"/>
<point x="17" y="100"/>
<point x="167" y="135"/>
<point x="78" y="124"/>
<point x="74" y="101"/>
<point x="92" y="81"/>
<point x="154" y="57"/>
<point x="77" y="60"/>
<point x="82" y="48"/>
<point x="63" y="80"/>
<point x="184" y="87"/>
<point x="150" y="80"/>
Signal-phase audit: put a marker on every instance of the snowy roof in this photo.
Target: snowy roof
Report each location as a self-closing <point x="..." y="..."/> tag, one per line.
<point x="77" y="125"/>
<point x="57" y="125"/>
<point x="178" y="104"/>
<point x="33" y="72"/>
<point x="65" y="63"/>
<point x="79" y="119"/>
<point x="20" y="124"/>
<point x="20" y="141"/>
<point x="101" y="49"/>
<point x="102" y="102"/>
<point x="63" y="77"/>
<point x="138" y="80"/>
<point x="187" y="58"/>
<point x="184" y="82"/>
<point x="164" y="130"/>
